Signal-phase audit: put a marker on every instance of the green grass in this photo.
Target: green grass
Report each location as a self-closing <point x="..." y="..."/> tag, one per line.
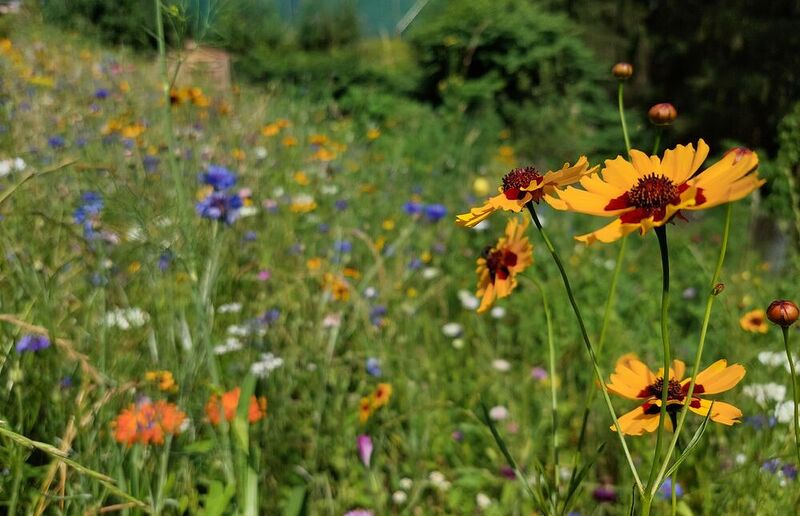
<point x="303" y="454"/>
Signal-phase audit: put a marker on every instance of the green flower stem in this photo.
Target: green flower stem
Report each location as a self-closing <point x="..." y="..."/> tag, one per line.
<point x="712" y="293"/>
<point x="553" y="391"/>
<point x="622" y="118"/>
<point x="589" y="348"/>
<point x="661" y="233"/>
<point x="794" y="393"/>
<point x="600" y="344"/>
<point x="658" y="140"/>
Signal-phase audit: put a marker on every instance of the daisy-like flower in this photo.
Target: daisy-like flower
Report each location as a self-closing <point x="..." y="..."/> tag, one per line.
<point x="523" y="185"/>
<point x="147" y="422"/>
<point x="754" y="321"/>
<point x="632" y="379"/>
<point x="647" y="192"/>
<point x="499" y="264"/>
<point x="381" y="396"/>
<point x="227" y="404"/>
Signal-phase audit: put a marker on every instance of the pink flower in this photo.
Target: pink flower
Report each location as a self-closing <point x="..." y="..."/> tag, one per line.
<point x="364" y="443"/>
<point x="264" y="275"/>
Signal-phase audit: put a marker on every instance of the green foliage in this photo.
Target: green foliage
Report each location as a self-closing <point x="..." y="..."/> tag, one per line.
<point x="242" y="26"/>
<point x="528" y="63"/>
<point x="782" y="199"/>
<point x="327" y="25"/>
<point x="121" y="22"/>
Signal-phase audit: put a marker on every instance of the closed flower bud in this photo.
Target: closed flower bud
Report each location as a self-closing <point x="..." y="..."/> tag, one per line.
<point x="622" y="71"/>
<point x="783" y="313"/>
<point x="662" y="114"/>
<point x="718" y="288"/>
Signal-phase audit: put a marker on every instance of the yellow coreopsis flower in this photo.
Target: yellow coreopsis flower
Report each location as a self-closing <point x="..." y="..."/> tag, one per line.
<point x="754" y="321"/>
<point x="499" y="264"/>
<point x="632" y="379"/>
<point x="646" y="192"/>
<point x="523" y="185"/>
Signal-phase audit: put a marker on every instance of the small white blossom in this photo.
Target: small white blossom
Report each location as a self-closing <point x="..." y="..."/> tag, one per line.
<point x="784" y="411"/>
<point x="229" y="308"/>
<point x="452" y="330"/>
<point x="266" y="365"/>
<point x="406" y="483"/>
<point x="238" y="330"/>
<point x="501" y="365"/>
<point x="498" y="312"/>
<point x="430" y="272"/>
<point x="230" y="344"/>
<point x="127" y="318"/>
<point x="483" y="500"/>
<point x="468" y="300"/>
<point x="498" y="413"/>
<point x="763" y="393"/>
<point x="399" y="497"/>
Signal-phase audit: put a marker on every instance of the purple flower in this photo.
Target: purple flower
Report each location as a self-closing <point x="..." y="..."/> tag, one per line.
<point x="359" y="512"/>
<point x="56" y="142"/>
<point x="376" y="315"/>
<point x="415" y="264"/>
<point x="789" y="471"/>
<point x="101" y="93"/>
<point x="508" y="472"/>
<point x="364" y="443"/>
<point x="539" y="373"/>
<point x="342" y="246"/>
<point x="340" y="205"/>
<point x="412" y="208"/>
<point x="250" y="236"/>
<point x="164" y="260"/>
<point x="150" y="163"/>
<point x="604" y="493"/>
<point x="457" y="436"/>
<point x="87" y="213"/>
<point x="323" y="228"/>
<point x="220" y="206"/>
<point x="270" y="316"/>
<point x="220" y="178"/>
<point x="435" y="212"/>
<point x="374" y="367"/>
<point x="32" y="343"/>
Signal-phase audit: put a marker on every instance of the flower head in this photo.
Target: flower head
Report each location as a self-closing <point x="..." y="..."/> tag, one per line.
<point x="783" y="313"/>
<point x="523" y="185"/>
<point x="146" y="422"/>
<point x="499" y="264"/>
<point x="219" y="178"/>
<point x="32" y="343"/>
<point x="646" y="192"/>
<point x="754" y="321"/>
<point x="227" y="404"/>
<point x="364" y="443"/>
<point x="632" y="379"/>
<point x="220" y="206"/>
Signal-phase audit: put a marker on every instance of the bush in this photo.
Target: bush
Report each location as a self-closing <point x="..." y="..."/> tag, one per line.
<point x="528" y="63"/>
<point x="327" y="25"/>
<point x="243" y="25"/>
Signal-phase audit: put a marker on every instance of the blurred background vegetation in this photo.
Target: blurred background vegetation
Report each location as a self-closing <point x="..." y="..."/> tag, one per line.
<point x="538" y="68"/>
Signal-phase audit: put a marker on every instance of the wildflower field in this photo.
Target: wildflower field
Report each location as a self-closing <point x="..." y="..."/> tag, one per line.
<point x="272" y="298"/>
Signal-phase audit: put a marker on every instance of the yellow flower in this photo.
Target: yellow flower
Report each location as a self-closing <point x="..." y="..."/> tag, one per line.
<point x="289" y="141"/>
<point x="754" y="321"/>
<point x="164" y="380"/>
<point x="523" y="185"/>
<point x="338" y="288"/>
<point x="323" y="154"/>
<point x="381" y="395"/>
<point x="647" y="192"/>
<point x="388" y="225"/>
<point x="499" y="265"/>
<point x="632" y="379"/>
<point x="364" y="409"/>
<point x="317" y="139"/>
<point x="373" y="134"/>
<point x="132" y="131"/>
<point x="301" y="178"/>
<point x="238" y="154"/>
<point x="314" y="264"/>
<point x="270" y="130"/>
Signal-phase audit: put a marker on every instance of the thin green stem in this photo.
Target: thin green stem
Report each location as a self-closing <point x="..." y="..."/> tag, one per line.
<point x="794" y="393"/>
<point x="600" y="345"/>
<point x="551" y="350"/>
<point x="162" y="475"/>
<point x="622" y="118"/>
<point x="661" y="233"/>
<point x="658" y="140"/>
<point x="587" y="341"/>
<point x="674" y="493"/>
<point x="712" y="293"/>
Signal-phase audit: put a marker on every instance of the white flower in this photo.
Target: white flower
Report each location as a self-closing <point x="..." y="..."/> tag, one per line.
<point x="5" y="167"/>
<point x="772" y="358"/>
<point x="248" y="211"/>
<point x="238" y="330"/>
<point x="458" y="343"/>
<point x="741" y="458"/>
<point x="430" y="272"/>
<point x="329" y="189"/>
<point x="229" y="308"/>
<point x="230" y="344"/>
<point x="332" y="320"/>
<point x="127" y="318"/>
<point x="483" y="500"/>
<point x="266" y="365"/>
<point x="278" y="192"/>
<point x="399" y="497"/>
<point x="260" y="152"/>
<point x="498" y="413"/>
<point x="19" y="164"/>
<point x="370" y="292"/>
<point x="452" y="330"/>
<point x="406" y="483"/>
<point x="784" y="411"/>
<point x="765" y="392"/>
<point x="501" y="365"/>
<point x="498" y="312"/>
<point x="135" y="234"/>
<point x="468" y="301"/>
<point x="439" y="480"/>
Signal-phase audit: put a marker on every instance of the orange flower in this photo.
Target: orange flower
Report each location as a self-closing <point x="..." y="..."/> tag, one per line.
<point x="381" y="396"/>
<point x="364" y="409"/>
<point x="523" y="185"/>
<point x="632" y="379"/>
<point x="227" y="404"/>
<point x="499" y="265"/>
<point x="146" y="422"/>
<point x="754" y="321"/>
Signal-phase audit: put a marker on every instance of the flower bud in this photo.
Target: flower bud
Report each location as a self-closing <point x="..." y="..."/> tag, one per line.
<point x="662" y="114"/>
<point x="783" y="313"/>
<point x="622" y="71"/>
<point x="718" y="288"/>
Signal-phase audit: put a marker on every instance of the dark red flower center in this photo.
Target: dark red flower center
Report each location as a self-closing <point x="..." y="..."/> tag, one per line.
<point x="675" y="392"/>
<point x="499" y="262"/>
<point x="653" y="192"/>
<point x="520" y="178"/>
<point x="674" y="389"/>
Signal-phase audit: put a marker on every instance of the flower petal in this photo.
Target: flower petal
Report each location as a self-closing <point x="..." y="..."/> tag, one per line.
<point x="723" y="413"/>
<point x="630" y="378"/>
<point x="636" y="422"/>
<point x="719" y="377"/>
<point x="498" y="202"/>
<point x="608" y="233"/>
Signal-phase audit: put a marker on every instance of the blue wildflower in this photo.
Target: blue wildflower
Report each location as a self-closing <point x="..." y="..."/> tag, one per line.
<point x="374" y="367"/>
<point x="32" y="343"/>
<point x="101" y="93"/>
<point x="412" y="208"/>
<point x="56" y="142"/>
<point x="270" y="316"/>
<point x="376" y="315"/>
<point x="415" y="264"/>
<point x="343" y="246"/>
<point x="150" y="163"/>
<point x="340" y="205"/>
<point x="164" y="260"/>
<point x="87" y="212"/>
<point x="665" y="491"/>
<point x="220" y="206"/>
<point x="435" y="212"/>
<point x="323" y="228"/>
<point x="250" y="236"/>
<point x="789" y="471"/>
<point x="220" y="178"/>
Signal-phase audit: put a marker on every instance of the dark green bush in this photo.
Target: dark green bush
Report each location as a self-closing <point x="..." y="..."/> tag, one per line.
<point x="328" y="24"/>
<point x="244" y="25"/>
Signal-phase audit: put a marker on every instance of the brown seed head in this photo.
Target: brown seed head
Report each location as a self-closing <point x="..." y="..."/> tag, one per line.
<point x="662" y="114"/>
<point x="622" y="71"/>
<point x="783" y="313"/>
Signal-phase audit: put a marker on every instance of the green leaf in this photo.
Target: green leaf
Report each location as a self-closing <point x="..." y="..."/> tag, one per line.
<point x="204" y="446"/>
<point x="296" y="505"/>
<point x="689" y="447"/>
<point x="575" y="481"/>
<point x="218" y="498"/>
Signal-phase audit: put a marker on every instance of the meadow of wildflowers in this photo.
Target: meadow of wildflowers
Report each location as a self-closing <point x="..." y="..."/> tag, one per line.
<point x="248" y="302"/>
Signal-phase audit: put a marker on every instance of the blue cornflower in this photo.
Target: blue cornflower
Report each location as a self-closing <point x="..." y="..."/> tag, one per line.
<point x="665" y="491"/>
<point x="412" y="208"/>
<point x="87" y="211"/>
<point x="101" y="93"/>
<point x="270" y="316"/>
<point x="220" y="178"/>
<point x="250" y="236"/>
<point x="56" y="142"/>
<point x="435" y="212"/>
<point x="342" y="246"/>
<point x="374" y="367"/>
<point x="32" y="343"/>
<point x="220" y="206"/>
<point x="164" y="260"/>
<point x="340" y="205"/>
<point x="150" y="163"/>
<point x="323" y="228"/>
<point x="415" y="264"/>
<point x="376" y="315"/>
